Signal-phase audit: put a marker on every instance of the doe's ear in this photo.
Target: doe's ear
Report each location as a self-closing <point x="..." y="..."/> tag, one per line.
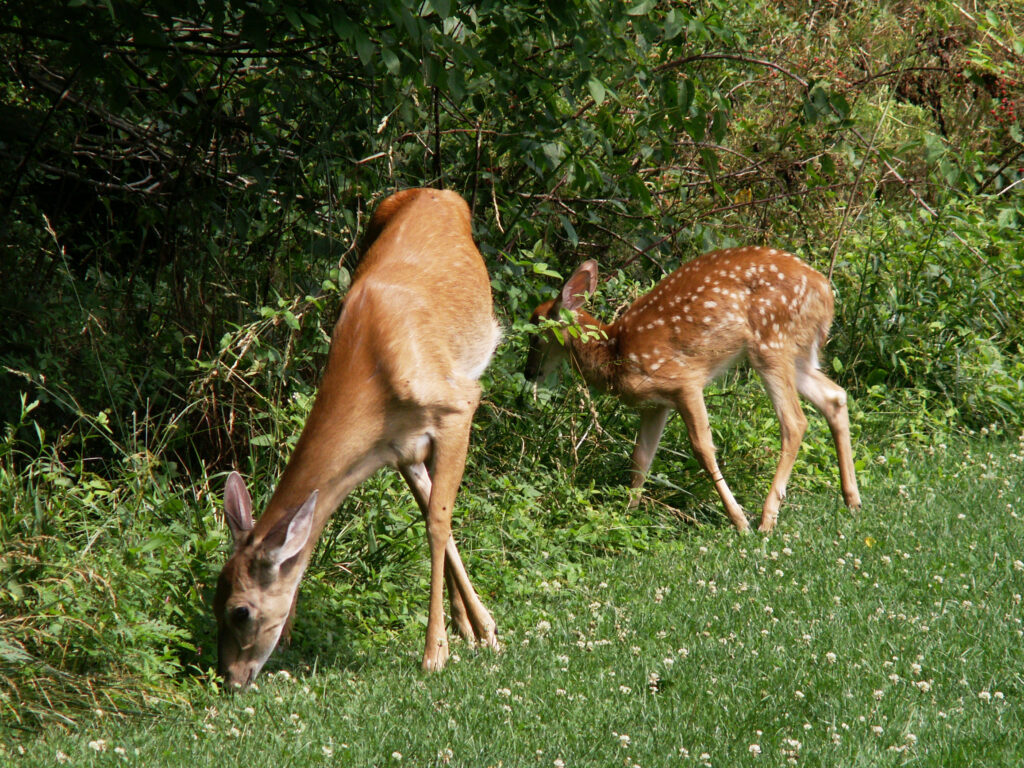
<point x="580" y="284"/>
<point x="300" y="525"/>
<point x="237" y="508"/>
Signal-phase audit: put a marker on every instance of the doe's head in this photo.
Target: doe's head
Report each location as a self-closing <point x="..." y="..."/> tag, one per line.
<point x="256" y="589"/>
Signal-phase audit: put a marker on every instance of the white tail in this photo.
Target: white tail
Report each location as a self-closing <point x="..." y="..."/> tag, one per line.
<point x="400" y="388"/>
<point x="663" y="350"/>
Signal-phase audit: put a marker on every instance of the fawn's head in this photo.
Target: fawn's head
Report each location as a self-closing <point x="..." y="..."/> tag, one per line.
<point x="550" y="347"/>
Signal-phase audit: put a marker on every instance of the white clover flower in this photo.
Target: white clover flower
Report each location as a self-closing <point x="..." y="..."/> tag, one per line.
<point x="504" y="692"/>
<point x="798" y="695"/>
<point x="923" y="685"/>
<point x="755" y="749"/>
<point x="98" y="745"/>
<point x="559" y="763"/>
<point x="61" y="757"/>
<point x="877" y="730"/>
<point x="327" y="751"/>
<point x="831" y="658"/>
<point x="985" y="695"/>
<point x="625" y="689"/>
<point x="396" y="755"/>
<point x="624" y="739"/>
<point x="878" y="694"/>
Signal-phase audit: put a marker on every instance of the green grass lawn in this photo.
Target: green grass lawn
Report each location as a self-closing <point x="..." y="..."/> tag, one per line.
<point x="893" y="636"/>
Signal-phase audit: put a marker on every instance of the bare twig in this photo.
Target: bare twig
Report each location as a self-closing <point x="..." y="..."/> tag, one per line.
<point x="675" y="63"/>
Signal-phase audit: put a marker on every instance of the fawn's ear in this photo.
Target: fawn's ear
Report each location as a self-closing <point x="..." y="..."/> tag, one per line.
<point x="237" y="508"/>
<point x="581" y="284"/>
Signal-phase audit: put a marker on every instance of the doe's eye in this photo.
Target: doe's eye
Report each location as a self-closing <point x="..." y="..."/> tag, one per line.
<point x="239" y="615"/>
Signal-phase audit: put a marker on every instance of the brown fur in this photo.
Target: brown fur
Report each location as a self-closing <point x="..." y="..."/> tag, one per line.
<point x="400" y="388"/>
<point x="760" y="303"/>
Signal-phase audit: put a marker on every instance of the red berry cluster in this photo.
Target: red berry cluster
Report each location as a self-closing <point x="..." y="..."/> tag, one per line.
<point x="1006" y="109"/>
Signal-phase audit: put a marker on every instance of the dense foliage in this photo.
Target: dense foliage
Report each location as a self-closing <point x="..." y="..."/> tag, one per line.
<point x="183" y="183"/>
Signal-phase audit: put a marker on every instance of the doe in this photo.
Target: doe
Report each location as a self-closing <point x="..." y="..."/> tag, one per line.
<point x="400" y="388"/>
<point x="662" y="352"/>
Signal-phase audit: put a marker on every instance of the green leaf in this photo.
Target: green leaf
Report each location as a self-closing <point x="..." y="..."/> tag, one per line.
<point x="570" y="230"/>
<point x="1007" y="218"/>
<point x="364" y="47"/>
<point x="443" y="7"/>
<point x="391" y="60"/>
<point x="685" y="93"/>
<point x="642" y="8"/>
<point x="719" y="125"/>
<point x="674" y="23"/>
<point x="540" y="268"/>
<point x="342" y="24"/>
<point x="596" y="88"/>
<point x="292" y="14"/>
